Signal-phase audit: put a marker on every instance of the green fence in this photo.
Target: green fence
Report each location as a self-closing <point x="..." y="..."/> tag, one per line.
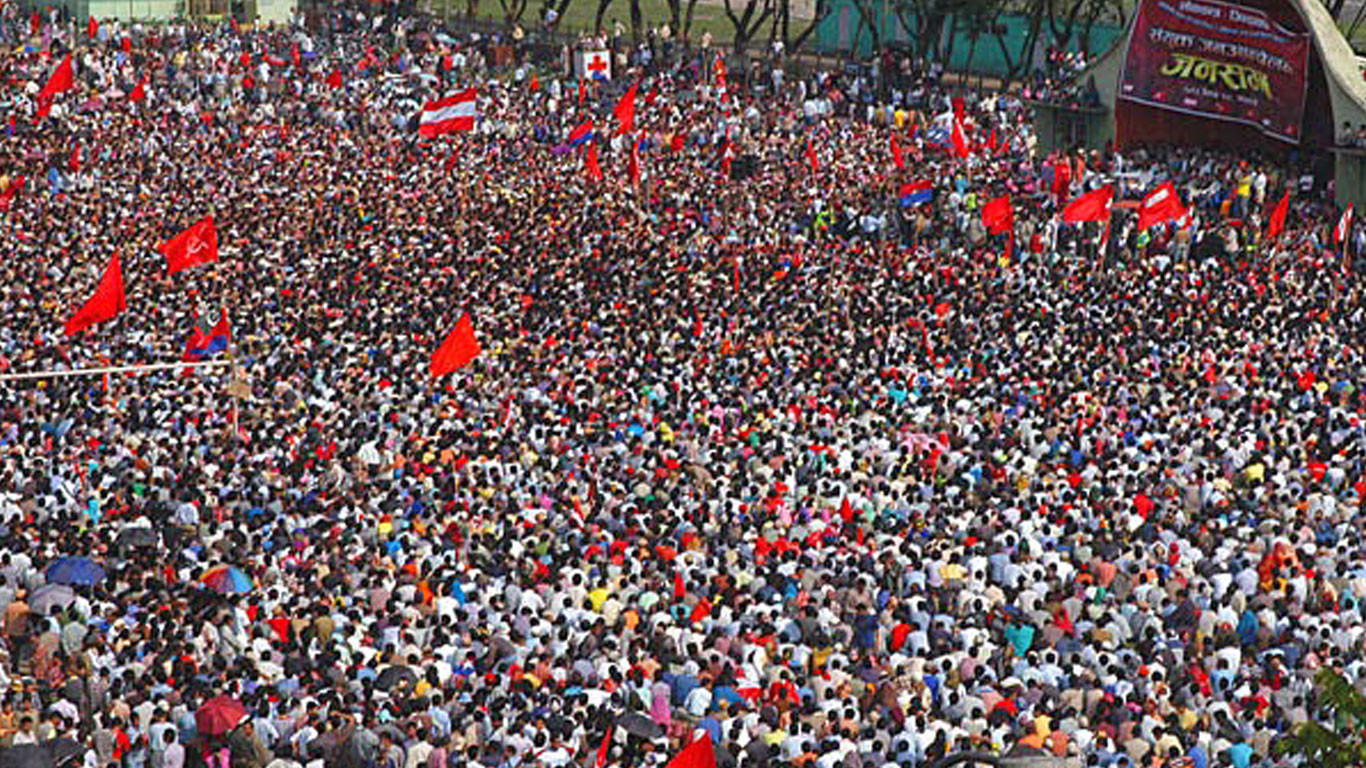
<point x="845" y="30"/>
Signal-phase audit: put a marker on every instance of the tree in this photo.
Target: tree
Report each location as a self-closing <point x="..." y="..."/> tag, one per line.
<point x="792" y="43"/>
<point x="513" y="10"/>
<point x="1016" y="64"/>
<point x="558" y="6"/>
<point x="749" y="21"/>
<point x="1341" y="746"/>
<point x="636" y="22"/>
<point x="870" y="19"/>
<point x="602" y="12"/>
<point x="923" y="21"/>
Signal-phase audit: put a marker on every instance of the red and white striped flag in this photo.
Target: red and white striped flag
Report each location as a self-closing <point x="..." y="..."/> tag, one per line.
<point x="448" y="115"/>
<point x="1344" y="227"/>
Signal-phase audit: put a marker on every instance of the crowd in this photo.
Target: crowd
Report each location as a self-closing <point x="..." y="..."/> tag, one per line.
<point x="751" y="449"/>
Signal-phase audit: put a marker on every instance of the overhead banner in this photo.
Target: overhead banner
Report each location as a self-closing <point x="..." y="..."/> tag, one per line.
<point x="1218" y="60"/>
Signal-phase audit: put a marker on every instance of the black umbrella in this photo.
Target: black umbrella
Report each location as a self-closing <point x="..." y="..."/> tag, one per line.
<point x="64" y="750"/>
<point x="135" y="537"/>
<point x="26" y="756"/>
<point x="392" y="677"/>
<point x="640" y="726"/>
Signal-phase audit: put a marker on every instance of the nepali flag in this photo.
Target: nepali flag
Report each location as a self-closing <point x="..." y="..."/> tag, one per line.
<point x="448" y="115"/>
<point x="202" y="345"/>
<point x="581" y="135"/>
<point x="1344" y="226"/>
<point x="916" y="193"/>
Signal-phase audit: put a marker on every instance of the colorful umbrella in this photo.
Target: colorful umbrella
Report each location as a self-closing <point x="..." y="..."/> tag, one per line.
<point x="219" y="715"/>
<point x="75" y="570"/>
<point x="226" y="580"/>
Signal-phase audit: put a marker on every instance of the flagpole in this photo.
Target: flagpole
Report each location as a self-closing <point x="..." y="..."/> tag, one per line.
<point x="100" y="371"/>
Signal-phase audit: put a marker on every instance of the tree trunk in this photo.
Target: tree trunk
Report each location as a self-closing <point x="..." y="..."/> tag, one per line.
<point x="603" y="5"/>
<point x="636" y="22"/>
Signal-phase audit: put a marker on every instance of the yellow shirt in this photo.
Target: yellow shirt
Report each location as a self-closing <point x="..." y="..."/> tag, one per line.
<point x="598" y="597"/>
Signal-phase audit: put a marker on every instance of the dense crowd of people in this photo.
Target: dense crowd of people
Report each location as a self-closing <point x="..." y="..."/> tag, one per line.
<point x="754" y="448"/>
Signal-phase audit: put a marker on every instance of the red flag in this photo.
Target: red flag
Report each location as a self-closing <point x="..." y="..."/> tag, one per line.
<point x="601" y="759"/>
<point x="633" y="164"/>
<point x="811" y="156"/>
<point x="721" y="74"/>
<point x="139" y="92"/>
<point x="957" y="102"/>
<point x="1160" y="206"/>
<point x="896" y="153"/>
<point x="698" y="754"/>
<point x="126" y="44"/>
<point x="92" y="28"/>
<point x="998" y="216"/>
<point x="680" y="588"/>
<point x="535" y="84"/>
<point x="457" y="350"/>
<point x="107" y="302"/>
<point x="1092" y="206"/>
<point x="678" y="142"/>
<point x="35" y="23"/>
<point x="295" y="55"/>
<point x="196" y="245"/>
<point x="1344" y="227"/>
<point x="583" y="88"/>
<point x="16" y="185"/>
<point x="73" y="163"/>
<point x="590" y="162"/>
<point x="1277" y="223"/>
<point x="625" y="111"/>
<point x="61" y="79"/>
<point x="334" y="80"/>
<point x="960" y="142"/>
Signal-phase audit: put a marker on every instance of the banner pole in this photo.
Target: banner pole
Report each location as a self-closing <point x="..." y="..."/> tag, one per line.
<point x="112" y="369"/>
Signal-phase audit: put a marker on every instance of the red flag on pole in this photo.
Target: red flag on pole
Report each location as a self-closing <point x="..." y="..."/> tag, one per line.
<point x="601" y="760"/>
<point x="896" y="153"/>
<point x="196" y="245"/>
<point x="998" y="216"/>
<point x="960" y="142"/>
<point x="633" y="164"/>
<point x="1092" y="206"/>
<point x="590" y="162"/>
<point x="698" y="754"/>
<point x="1344" y="227"/>
<point x="1277" y="223"/>
<point x="625" y="111"/>
<point x="457" y="350"/>
<point x="334" y="80"/>
<point x="1160" y="206"/>
<point x="139" y="92"/>
<point x="7" y="197"/>
<point x="92" y="28"/>
<point x="535" y="84"/>
<point x="107" y="302"/>
<point x="73" y="163"/>
<point x="61" y="79"/>
<point x="811" y="156"/>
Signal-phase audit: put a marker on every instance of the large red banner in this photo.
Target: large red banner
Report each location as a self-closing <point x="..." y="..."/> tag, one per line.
<point x="1219" y="60"/>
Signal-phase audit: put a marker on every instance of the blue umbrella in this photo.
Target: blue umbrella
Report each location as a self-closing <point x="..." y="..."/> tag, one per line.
<point x="75" y="570"/>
